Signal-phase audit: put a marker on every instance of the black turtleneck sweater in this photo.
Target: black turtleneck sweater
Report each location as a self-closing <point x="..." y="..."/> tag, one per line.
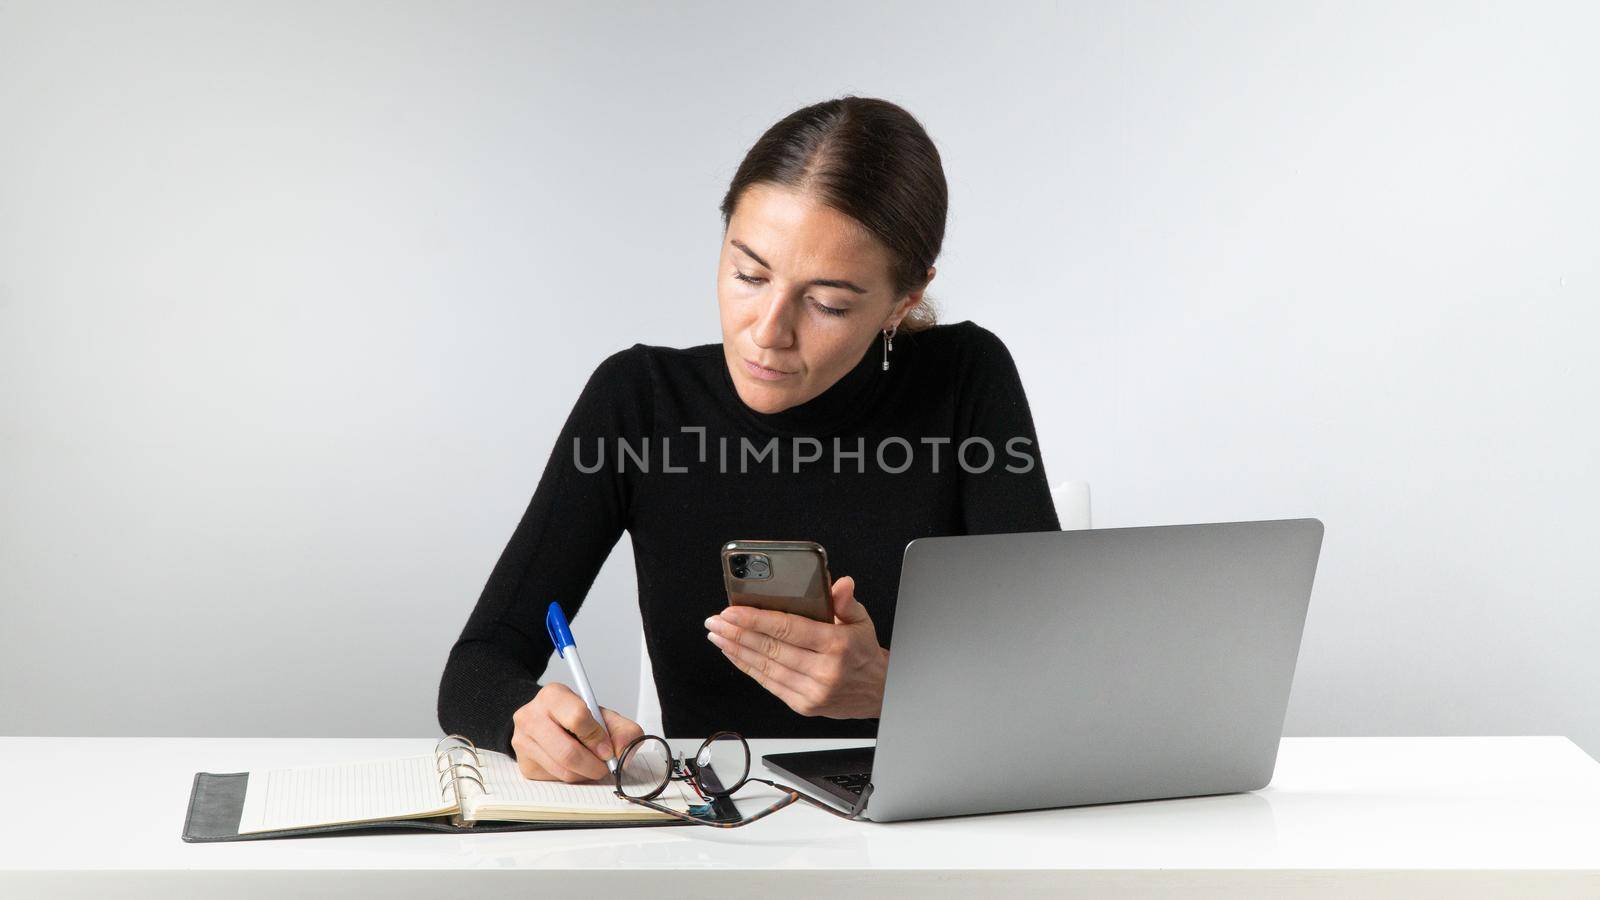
<point x="946" y="385"/>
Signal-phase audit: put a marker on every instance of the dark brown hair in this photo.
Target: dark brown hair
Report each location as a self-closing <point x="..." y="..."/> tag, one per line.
<point x="870" y="160"/>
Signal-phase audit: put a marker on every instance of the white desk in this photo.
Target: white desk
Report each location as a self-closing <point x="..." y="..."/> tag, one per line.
<point x="1370" y="817"/>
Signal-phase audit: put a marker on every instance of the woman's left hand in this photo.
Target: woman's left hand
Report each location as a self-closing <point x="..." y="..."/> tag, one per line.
<point x="818" y="668"/>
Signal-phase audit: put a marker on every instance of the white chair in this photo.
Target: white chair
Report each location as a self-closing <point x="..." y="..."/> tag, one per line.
<point x="1072" y="508"/>
<point x="1072" y="504"/>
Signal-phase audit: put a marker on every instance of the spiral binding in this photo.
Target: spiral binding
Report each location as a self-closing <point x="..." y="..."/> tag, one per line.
<point x="457" y="771"/>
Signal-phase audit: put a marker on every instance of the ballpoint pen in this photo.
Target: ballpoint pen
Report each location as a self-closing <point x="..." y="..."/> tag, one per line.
<point x="555" y="622"/>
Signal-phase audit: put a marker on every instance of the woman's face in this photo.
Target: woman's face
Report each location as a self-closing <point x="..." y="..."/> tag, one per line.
<point x="803" y="289"/>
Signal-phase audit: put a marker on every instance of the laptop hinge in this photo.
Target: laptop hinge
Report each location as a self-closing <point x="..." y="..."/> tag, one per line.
<point x="861" y="802"/>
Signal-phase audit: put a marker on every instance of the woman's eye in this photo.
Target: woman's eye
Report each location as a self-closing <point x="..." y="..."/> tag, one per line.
<point x="821" y="307"/>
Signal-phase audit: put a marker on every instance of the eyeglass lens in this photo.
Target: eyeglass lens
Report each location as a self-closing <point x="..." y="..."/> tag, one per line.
<point x="722" y="764"/>
<point x="645" y="767"/>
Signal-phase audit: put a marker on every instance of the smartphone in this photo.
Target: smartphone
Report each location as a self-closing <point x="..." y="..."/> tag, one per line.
<point x="787" y="576"/>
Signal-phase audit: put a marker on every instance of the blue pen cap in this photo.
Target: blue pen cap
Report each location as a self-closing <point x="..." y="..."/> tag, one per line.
<point x="555" y="622"/>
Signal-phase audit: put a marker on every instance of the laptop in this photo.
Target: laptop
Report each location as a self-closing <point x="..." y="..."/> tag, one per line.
<point x="1065" y="668"/>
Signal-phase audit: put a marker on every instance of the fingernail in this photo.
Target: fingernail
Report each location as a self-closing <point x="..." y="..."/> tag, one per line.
<point x="709" y="620"/>
<point x="604" y="749"/>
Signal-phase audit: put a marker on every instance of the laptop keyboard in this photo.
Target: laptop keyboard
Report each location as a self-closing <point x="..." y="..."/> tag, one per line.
<point x="852" y="783"/>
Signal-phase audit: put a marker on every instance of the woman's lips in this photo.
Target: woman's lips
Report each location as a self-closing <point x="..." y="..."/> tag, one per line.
<point x="764" y="373"/>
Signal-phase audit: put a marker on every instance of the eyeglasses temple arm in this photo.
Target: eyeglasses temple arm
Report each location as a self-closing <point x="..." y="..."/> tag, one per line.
<point x="861" y="802"/>
<point x="854" y="813"/>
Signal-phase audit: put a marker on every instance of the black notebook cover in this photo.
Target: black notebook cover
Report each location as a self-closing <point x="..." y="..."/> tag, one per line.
<point x="216" y="802"/>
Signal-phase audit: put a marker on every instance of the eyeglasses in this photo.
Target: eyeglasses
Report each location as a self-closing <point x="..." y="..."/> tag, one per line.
<point x="719" y="768"/>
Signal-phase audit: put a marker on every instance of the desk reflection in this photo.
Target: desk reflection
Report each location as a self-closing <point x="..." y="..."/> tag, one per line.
<point x="1187" y="830"/>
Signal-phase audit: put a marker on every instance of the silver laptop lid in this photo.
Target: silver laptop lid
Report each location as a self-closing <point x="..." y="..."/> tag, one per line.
<point x="1071" y="667"/>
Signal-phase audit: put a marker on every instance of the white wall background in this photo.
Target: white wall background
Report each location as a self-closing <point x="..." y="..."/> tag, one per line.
<point x="294" y="298"/>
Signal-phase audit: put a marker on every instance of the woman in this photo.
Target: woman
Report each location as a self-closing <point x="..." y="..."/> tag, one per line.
<point x="833" y="410"/>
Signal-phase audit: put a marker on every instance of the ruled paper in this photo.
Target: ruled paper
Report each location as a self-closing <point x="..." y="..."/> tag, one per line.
<point x="507" y="788"/>
<point x="398" y="788"/>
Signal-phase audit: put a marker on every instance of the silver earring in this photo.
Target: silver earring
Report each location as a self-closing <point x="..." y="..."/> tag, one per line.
<point x="888" y="344"/>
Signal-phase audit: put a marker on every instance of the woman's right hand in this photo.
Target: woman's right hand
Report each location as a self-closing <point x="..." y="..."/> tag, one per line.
<point x="556" y="739"/>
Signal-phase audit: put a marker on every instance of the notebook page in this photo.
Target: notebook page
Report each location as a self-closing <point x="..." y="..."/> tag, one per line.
<point x="400" y="788"/>
<point x="508" y="789"/>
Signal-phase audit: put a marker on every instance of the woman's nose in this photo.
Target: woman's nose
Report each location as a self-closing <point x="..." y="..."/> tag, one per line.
<point x="773" y="328"/>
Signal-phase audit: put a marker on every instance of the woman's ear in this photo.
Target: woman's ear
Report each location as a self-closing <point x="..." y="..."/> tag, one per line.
<point x="908" y="302"/>
<point x="895" y="315"/>
<point x="914" y="297"/>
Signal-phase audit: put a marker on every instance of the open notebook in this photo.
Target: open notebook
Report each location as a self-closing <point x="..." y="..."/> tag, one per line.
<point x="453" y="789"/>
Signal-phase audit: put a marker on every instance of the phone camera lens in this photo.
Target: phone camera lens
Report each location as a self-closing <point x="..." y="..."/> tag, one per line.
<point x="737" y="564"/>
